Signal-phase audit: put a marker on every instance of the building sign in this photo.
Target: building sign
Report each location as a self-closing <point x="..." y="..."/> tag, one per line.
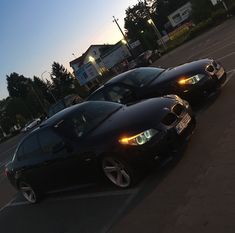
<point x="86" y="73"/>
<point x="180" y="15"/>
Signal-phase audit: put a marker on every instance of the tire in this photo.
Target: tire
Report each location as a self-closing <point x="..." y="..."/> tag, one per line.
<point x="118" y="172"/>
<point x="29" y="193"/>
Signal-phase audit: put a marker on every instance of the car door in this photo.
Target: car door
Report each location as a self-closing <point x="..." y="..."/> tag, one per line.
<point x="66" y="164"/>
<point x="30" y="162"/>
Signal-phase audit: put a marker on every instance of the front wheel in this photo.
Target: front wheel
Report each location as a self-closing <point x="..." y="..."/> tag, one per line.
<point x="118" y="172"/>
<point x="29" y="193"/>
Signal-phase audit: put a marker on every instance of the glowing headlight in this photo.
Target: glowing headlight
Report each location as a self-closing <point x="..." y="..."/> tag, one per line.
<point x="139" y="139"/>
<point x="192" y="80"/>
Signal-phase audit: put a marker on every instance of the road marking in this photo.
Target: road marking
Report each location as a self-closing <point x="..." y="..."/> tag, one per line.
<point x="228" y="55"/>
<point x="73" y="188"/>
<point x="120" y="211"/>
<point x="209" y="47"/>
<point x="7" y="205"/>
<point x="77" y="197"/>
<point x="229" y="76"/>
<point x="220" y="48"/>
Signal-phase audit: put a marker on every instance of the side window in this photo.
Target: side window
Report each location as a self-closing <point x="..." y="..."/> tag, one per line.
<point x="20" y="151"/>
<point x="98" y="96"/>
<point x="48" y="139"/>
<point x="119" y="94"/>
<point x="30" y="148"/>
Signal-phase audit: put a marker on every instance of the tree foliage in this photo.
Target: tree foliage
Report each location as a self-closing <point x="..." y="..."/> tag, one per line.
<point x="17" y="85"/>
<point x="62" y="82"/>
<point x="137" y="16"/>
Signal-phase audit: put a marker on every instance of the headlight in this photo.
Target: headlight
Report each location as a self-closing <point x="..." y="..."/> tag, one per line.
<point x="192" y="80"/>
<point x="139" y="139"/>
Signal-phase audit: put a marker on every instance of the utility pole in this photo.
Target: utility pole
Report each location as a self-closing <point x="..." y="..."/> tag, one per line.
<point x="123" y="34"/>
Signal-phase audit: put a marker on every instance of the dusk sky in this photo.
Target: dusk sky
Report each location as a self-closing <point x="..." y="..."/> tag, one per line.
<point x="34" y="33"/>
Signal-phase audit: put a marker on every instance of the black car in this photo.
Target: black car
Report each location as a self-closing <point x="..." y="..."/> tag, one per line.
<point x="79" y="143"/>
<point x="190" y="81"/>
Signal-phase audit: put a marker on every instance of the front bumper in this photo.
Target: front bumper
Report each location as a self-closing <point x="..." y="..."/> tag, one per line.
<point x="208" y="85"/>
<point x="162" y="145"/>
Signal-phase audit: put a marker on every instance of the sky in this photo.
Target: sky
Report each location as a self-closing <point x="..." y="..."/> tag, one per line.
<point x="35" y="33"/>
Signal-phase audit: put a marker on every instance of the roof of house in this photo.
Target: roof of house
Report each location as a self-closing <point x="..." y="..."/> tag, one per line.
<point x="80" y="59"/>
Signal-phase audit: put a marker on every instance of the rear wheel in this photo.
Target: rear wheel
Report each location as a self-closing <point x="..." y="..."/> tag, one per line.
<point x="118" y="172"/>
<point x="29" y="193"/>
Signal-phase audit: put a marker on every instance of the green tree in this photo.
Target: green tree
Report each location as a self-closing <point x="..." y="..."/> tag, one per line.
<point x="62" y="82"/>
<point x="17" y="85"/>
<point x="201" y="10"/>
<point x="137" y="27"/>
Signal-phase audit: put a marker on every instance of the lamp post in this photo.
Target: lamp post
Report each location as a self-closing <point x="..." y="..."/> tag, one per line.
<point x="151" y="22"/>
<point x="48" y="88"/>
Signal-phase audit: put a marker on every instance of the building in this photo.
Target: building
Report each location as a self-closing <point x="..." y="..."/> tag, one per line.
<point x="96" y="60"/>
<point x="180" y="15"/>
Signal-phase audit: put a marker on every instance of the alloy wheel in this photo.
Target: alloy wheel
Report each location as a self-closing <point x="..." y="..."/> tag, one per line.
<point x="28" y="192"/>
<point x="116" y="172"/>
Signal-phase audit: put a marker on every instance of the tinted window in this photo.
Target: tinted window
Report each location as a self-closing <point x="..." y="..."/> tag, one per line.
<point x="48" y="139"/>
<point x="119" y="93"/>
<point x="98" y="95"/>
<point x="87" y="117"/>
<point x="141" y="77"/>
<point x="30" y="148"/>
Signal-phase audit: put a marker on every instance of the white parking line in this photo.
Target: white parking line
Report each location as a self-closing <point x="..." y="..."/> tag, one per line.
<point x="77" y="197"/>
<point x="120" y="211"/>
<point x="7" y="205"/>
<point x="226" y="56"/>
<point x="218" y="49"/>
<point x="229" y="76"/>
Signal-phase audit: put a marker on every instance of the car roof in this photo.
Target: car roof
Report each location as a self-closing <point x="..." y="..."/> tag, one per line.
<point x="121" y="76"/>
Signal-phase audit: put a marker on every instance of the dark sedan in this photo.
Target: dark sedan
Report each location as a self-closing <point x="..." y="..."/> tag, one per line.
<point x="190" y="81"/>
<point x="92" y="138"/>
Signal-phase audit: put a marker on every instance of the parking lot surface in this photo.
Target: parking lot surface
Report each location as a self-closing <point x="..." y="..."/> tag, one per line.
<point x="194" y="193"/>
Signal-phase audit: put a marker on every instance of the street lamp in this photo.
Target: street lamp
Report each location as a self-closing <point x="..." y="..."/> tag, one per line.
<point x="151" y="22"/>
<point x="91" y="59"/>
<point x="46" y="82"/>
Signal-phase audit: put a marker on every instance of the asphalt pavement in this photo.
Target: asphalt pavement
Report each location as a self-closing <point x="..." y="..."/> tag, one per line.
<point x="194" y="193"/>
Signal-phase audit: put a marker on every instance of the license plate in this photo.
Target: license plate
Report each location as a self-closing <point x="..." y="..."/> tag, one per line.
<point x="220" y="73"/>
<point x="183" y="123"/>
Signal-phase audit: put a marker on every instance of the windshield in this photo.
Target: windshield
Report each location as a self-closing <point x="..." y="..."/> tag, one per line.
<point x="88" y="117"/>
<point x="141" y="77"/>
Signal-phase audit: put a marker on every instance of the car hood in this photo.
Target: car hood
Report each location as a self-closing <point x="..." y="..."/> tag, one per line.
<point x="188" y="69"/>
<point x="135" y="118"/>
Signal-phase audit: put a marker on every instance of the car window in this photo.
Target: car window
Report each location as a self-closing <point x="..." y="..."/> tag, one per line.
<point x="98" y="96"/>
<point x="88" y="117"/>
<point x="48" y="139"/>
<point x="30" y="148"/>
<point x="142" y="76"/>
<point x="118" y="93"/>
